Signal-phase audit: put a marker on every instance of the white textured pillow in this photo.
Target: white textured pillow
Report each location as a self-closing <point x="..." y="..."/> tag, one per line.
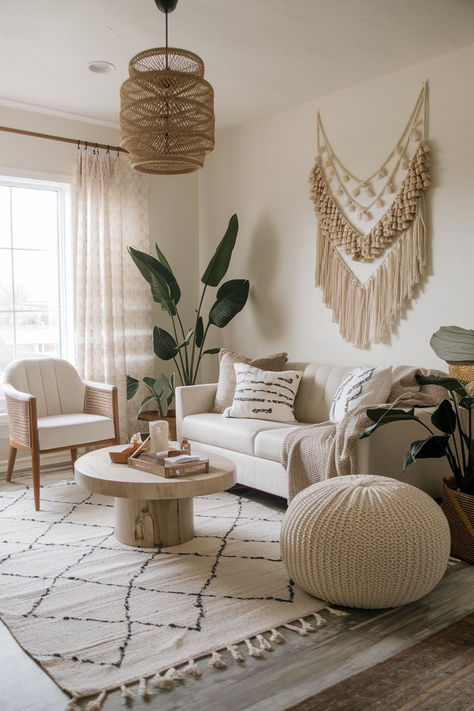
<point x="264" y="394"/>
<point x="367" y="385"/>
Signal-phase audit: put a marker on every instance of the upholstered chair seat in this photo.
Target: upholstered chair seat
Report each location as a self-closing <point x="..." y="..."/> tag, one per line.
<point x="51" y="408"/>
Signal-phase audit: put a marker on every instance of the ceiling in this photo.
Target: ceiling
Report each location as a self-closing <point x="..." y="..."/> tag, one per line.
<point x="261" y="56"/>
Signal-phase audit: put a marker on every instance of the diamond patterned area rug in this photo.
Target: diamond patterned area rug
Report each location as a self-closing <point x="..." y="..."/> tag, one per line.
<point x="96" y="614"/>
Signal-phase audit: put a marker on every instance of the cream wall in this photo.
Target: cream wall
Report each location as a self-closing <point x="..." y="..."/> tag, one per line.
<point x="261" y="170"/>
<point x="173" y="200"/>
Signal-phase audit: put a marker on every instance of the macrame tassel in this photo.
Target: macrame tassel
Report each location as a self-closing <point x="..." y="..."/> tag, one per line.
<point x="367" y="215"/>
<point x="345" y="178"/>
<point x="356" y="192"/>
<point x="399" y="148"/>
<point x="192" y="669"/>
<point x="328" y="163"/>
<point x="320" y="621"/>
<point x="97" y="703"/>
<point x="389" y="188"/>
<point x="72" y="704"/>
<point x="217" y="661"/>
<point x="370" y="191"/>
<point x="276" y="637"/>
<point x="300" y="630"/>
<point x="253" y="651"/>
<point x="235" y="652"/>
<point x="379" y="202"/>
<point x="143" y="689"/>
<point x="336" y="613"/>
<point x="126" y="693"/>
<point x="382" y="173"/>
<point x="264" y="644"/>
<point x="350" y="206"/>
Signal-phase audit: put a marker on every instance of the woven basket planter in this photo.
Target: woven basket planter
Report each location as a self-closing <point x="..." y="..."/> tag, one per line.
<point x="459" y="510"/>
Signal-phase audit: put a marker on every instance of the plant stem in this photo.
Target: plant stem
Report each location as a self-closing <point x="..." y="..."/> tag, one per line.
<point x="200" y="352"/>
<point x="194" y="373"/>
<point x="458" y="420"/>
<point x="183" y="373"/>
<point x="185" y="348"/>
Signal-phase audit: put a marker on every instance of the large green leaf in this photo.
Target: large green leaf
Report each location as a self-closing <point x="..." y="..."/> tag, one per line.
<point x="429" y="448"/>
<point x="132" y="386"/>
<point x="467" y="403"/>
<point x="444" y="417"/>
<point x="145" y="402"/>
<point x="211" y="351"/>
<point x="164" y="287"/>
<point x="186" y="339"/>
<point x="217" y="267"/>
<point x="384" y="415"/>
<point x="155" y="385"/>
<point x="162" y="259"/>
<point x="230" y="299"/>
<point x="164" y="344"/>
<point x="452" y="384"/>
<point x="199" y="331"/>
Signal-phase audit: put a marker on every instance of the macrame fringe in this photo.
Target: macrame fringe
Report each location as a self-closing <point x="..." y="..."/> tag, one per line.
<point x="255" y="647"/>
<point x="365" y="247"/>
<point x="365" y="312"/>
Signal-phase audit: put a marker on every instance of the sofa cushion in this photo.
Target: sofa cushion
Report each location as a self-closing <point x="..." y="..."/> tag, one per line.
<point x="73" y="429"/>
<point x="226" y="383"/>
<point x="362" y="386"/>
<point x="263" y="394"/>
<point x="318" y="387"/>
<point x="237" y="435"/>
<point x="269" y="443"/>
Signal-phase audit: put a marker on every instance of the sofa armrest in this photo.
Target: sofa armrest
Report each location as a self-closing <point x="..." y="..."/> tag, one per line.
<point x="383" y="452"/>
<point x="191" y="400"/>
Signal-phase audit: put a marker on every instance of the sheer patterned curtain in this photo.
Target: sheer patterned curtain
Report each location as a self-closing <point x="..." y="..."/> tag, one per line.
<point x="112" y="302"/>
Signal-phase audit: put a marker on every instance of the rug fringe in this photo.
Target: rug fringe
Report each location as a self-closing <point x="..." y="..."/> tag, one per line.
<point x="255" y="646"/>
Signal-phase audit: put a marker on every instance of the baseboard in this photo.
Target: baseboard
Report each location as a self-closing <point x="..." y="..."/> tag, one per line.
<point x="47" y="461"/>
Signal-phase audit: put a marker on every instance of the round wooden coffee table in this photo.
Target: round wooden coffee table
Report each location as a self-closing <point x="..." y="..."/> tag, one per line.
<point x="150" y="510"/>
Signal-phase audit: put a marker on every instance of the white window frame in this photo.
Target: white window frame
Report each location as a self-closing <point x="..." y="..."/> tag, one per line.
<point x="62" y="184"/>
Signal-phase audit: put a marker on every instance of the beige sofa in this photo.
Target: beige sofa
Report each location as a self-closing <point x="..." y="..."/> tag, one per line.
<point x="255" y="446"/>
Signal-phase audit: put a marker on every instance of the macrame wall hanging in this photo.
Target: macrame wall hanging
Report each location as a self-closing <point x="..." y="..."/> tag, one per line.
<point x="365" y="311"/>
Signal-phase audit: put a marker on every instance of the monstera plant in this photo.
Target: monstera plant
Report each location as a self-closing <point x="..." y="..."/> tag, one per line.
<point x="453" y="421"/>
<point x="186" y="346"/>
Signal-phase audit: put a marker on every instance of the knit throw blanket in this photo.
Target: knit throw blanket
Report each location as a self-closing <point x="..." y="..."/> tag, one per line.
<point x="326" y="449"/>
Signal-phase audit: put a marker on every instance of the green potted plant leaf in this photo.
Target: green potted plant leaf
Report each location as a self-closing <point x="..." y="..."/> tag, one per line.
<point x="160" y="393"/>
<point x="186" y="346"/>
<point x="452" y="439"/>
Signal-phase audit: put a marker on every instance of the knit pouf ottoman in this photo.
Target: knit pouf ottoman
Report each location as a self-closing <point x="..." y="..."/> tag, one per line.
<point x="365" y="541"/>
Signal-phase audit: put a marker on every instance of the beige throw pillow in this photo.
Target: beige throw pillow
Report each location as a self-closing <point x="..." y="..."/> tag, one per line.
<point x="227" y="381"/>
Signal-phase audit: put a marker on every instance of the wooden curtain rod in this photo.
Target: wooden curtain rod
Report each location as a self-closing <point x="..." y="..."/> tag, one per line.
<point x="50" y="137"/>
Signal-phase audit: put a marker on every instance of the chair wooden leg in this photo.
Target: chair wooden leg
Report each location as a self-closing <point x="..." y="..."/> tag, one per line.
<point x="73" y="457"/>
<point x="35" y="460"/>
<point x="11" y="462"/>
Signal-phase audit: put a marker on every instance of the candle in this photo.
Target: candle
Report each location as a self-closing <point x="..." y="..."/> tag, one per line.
<point x="158" y="436"/>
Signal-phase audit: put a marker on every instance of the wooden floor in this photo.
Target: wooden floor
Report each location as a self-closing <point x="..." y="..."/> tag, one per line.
<point x="300" y="668"/>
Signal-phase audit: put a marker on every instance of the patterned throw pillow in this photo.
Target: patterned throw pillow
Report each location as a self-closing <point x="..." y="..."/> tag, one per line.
<point x="226" y="384"/>
<point x="363" y="386"/>
<point x="264" y="394"/>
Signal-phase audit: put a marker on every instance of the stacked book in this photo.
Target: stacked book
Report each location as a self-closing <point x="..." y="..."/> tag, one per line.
<point x="169" y="464"/>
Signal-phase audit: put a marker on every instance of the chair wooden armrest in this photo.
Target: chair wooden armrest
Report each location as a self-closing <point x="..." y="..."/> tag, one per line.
<point x="101" y="399"/>
<point x="22" y="418"/>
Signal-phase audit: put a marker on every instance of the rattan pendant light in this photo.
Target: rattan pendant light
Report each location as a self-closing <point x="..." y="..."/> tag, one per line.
<point x="167" y="109"/>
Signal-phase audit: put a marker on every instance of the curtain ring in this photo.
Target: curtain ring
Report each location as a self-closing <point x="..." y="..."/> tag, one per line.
<point x="108" y="150"/>
<point x="85" y="146"/>
<point x="78" y="144"/>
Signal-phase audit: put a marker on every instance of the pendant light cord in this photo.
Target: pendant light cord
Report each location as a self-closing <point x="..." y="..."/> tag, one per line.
<point x="166" y="38"/>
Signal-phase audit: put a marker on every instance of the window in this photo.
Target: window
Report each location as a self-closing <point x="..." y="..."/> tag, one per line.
<point x="34" y="278"/>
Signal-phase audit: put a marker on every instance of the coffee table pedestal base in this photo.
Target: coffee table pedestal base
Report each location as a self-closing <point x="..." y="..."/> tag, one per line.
<point x="152" y="523"/>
